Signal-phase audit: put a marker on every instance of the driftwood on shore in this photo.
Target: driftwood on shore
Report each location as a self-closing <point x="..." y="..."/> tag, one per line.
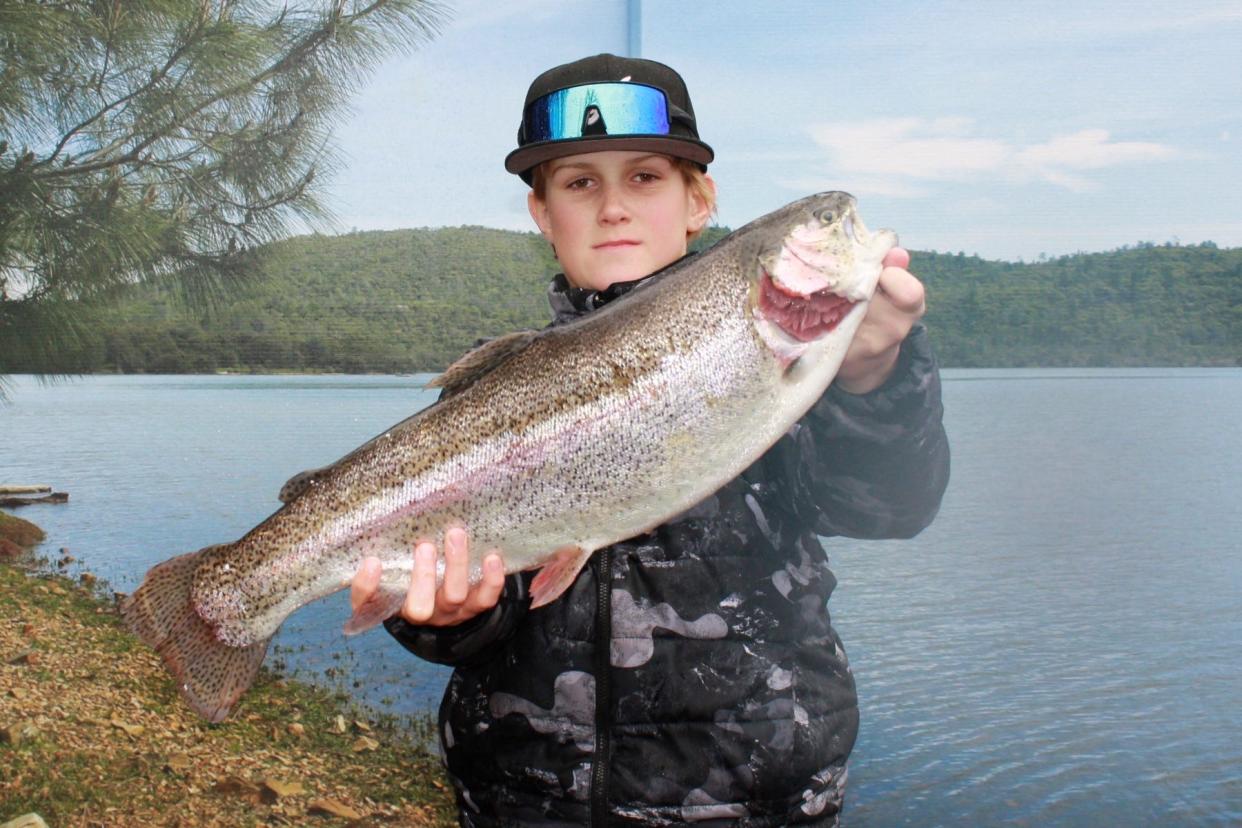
<point x="54" y="497"/>
<point x="10" y="489"/>
<point x="13" y="495"/>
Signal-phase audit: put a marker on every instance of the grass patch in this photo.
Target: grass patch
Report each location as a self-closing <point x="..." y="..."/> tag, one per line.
<point x="92" y="732"/>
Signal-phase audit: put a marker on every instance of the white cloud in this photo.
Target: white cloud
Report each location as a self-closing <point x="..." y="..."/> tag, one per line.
<point x="911" y="147"/>
<point x="1091" y="149"/>
<point x="1071" y="182"/>
<point x="894" y="154"/>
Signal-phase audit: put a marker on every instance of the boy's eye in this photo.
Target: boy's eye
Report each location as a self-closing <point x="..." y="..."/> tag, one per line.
<point x="578" y="183"/>
<point x="646" y="177"/>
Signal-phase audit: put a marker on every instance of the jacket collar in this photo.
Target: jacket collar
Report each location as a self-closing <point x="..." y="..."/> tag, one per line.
<point x="569" y="302"/>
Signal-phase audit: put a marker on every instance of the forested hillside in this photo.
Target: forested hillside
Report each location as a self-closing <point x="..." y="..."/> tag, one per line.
<point x="1144" y="305"/>
<point x="392" y="302"/>
<point x="411" y="300"/>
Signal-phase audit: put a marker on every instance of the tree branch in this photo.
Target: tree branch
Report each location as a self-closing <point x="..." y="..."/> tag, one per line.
<point x="154" y="80"/>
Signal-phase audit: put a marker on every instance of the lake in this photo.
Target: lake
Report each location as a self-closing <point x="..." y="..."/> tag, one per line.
<point x="1062" y="646"/>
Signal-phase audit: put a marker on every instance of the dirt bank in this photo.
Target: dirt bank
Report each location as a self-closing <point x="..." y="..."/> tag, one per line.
<point x="92" y="733"/>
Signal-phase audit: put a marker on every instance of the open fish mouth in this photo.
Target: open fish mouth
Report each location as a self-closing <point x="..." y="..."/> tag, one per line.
<point x="804" y="317"/>
<point x="806" y="288"/>
<point x="824" y="268"/>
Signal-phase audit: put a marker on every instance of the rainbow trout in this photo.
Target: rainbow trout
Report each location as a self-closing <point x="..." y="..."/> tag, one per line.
<point x="546" y="445"/>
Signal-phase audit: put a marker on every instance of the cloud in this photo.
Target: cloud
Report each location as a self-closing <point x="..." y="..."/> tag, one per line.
<point x="909" y="147"/>
<point x="1091" y="149"/>
<point x="894" y="155"/>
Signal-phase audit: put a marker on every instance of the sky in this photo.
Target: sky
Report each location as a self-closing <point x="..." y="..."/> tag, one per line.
<point x="1004" y="129"/>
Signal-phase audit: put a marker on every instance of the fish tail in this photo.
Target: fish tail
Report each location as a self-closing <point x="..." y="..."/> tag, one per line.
<point x="210" y="674"/>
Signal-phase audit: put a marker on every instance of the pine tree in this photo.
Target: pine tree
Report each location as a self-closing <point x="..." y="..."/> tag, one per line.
<point x="147" y="140"/>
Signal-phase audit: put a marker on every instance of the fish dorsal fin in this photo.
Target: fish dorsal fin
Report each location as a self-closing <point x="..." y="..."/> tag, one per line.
<point x="303" y="481"/>
<point x="456" y="378"/>
<point x="467" y="370"/>
<point x="299" y="483"/>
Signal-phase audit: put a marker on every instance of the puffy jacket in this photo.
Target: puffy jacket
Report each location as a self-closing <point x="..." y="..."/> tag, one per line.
<point x="691" y="674"/>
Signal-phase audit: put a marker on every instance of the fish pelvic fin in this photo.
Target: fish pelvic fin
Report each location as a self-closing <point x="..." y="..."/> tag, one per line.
<point x="557" y="575"/>
<point x="210" y="675"/>
<point x="474" y="364"/>
<point x="383" y="604"/>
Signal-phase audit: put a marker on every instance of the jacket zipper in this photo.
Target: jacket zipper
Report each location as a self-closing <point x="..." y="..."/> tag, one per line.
<point x="603" y="689"/>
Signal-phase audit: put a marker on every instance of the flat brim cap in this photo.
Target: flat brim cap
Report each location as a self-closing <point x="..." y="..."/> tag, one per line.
<point x="681" y="142"/>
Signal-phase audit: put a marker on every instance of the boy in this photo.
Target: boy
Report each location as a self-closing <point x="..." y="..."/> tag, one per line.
<point x="689" y="674"/>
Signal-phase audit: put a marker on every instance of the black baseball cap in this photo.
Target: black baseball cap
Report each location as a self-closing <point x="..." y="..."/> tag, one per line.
<point x="606" y="102"/>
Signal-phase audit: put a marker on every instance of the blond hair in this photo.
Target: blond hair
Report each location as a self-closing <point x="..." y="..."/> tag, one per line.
<point x="694" y="176"/>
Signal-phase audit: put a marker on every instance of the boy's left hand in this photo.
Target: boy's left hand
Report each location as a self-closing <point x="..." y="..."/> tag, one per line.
<point x="898" y="303"/>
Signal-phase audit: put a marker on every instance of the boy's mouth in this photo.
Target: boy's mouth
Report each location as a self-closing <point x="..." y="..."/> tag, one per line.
<point x="616" y="243"/>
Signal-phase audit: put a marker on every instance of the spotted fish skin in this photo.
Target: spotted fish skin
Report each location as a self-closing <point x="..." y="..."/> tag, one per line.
<point x="553" y="446"/>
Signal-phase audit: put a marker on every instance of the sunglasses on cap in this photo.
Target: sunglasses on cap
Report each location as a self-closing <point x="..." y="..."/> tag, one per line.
<point x="597" y="109"/>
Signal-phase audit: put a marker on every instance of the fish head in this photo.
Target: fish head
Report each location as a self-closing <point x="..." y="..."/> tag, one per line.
<point x="818" y="267"/>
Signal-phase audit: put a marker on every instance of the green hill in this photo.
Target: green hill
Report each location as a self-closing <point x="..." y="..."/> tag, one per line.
<point x="1145" y="305"/>
<point x="412" y="300"/>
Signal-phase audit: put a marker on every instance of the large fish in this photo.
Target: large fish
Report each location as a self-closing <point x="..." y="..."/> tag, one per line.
<point x="546" y="445"/>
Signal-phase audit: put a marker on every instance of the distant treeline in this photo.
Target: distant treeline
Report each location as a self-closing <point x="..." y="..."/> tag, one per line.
<point x="413" y="300"/>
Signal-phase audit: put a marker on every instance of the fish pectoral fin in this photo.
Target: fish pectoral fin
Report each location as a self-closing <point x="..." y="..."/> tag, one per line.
<point x="473" y="364"/>
<point x="557" y="575"/>
<point x="383" y="604"/>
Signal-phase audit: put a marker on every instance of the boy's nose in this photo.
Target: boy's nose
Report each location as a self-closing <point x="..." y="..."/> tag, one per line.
<point x="612" y="207"/>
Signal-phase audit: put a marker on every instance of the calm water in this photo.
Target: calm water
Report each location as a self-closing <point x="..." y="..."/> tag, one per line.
<point x="1061" y="647"/>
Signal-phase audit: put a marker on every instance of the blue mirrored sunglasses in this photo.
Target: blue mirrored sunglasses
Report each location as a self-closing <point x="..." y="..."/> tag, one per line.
<point x="596" y="109"/>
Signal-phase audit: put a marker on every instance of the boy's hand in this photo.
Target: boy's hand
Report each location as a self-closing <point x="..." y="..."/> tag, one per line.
<point x="455" y="601"/>
<point x="898" y="303"/>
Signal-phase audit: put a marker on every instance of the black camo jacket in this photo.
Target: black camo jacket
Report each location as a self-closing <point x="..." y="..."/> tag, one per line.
<point x="691" y="674"/>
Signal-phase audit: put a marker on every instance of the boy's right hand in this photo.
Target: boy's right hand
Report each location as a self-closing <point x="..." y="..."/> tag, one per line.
<point x="455" y="601"/>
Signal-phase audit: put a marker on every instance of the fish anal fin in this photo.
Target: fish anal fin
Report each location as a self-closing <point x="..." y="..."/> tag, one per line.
<point x="474" y="364"/>
<point x="557" y="575"/>
<point x="209" y="674"/>
<point x="383" y="604"/>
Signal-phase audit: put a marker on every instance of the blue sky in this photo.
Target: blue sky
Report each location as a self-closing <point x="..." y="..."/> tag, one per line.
<point x="1004" y="129"/>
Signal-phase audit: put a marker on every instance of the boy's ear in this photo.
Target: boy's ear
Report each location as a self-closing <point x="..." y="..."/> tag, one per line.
<point x="700" y="212"/>
<point x="539" y="212"/>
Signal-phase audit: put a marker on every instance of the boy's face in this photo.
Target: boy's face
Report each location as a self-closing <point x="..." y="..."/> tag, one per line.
<point x="616" y="215"/>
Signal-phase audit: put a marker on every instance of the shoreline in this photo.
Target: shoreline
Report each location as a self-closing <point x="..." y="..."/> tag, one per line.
<point x="92" y="731"/>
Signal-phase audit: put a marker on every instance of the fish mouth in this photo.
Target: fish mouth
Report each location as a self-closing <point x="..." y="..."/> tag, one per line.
<point x="805" y="317"/>
<point x="825" y="267"/>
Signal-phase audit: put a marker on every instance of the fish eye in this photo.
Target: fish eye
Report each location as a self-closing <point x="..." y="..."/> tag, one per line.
<point x="825" y="215"/>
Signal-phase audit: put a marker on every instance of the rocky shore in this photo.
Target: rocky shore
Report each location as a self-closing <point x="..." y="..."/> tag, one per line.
<point x="92" y="732"/>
